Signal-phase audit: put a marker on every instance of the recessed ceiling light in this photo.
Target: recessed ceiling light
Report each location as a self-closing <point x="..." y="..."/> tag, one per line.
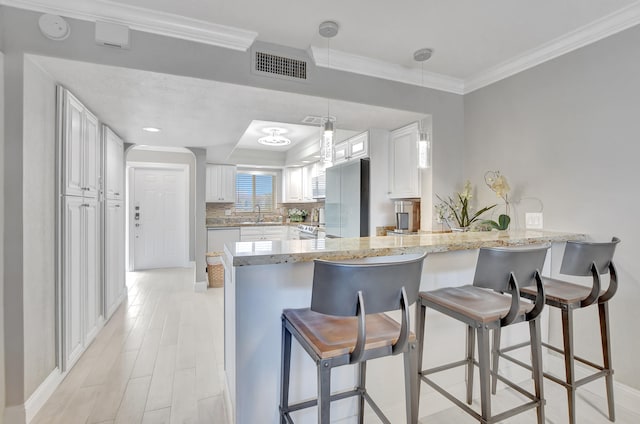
<point x="151" y="129"/>
<point x="306" y="161"/>
<point x="275" y="138"/>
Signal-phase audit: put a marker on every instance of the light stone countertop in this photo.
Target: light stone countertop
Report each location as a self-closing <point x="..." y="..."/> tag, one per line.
<point x="290" y="251"/>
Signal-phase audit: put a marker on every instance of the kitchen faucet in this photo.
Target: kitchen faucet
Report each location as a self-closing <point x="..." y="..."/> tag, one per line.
<point x="259" y="218"/>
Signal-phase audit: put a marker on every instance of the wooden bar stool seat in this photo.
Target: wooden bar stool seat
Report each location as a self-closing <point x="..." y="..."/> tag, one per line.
<point x="346" y="324"/>
<point x="493" y="301"/>
<point x="580" y="259"/>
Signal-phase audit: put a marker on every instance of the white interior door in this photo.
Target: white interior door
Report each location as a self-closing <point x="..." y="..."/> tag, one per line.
<point x="159" y="225"/>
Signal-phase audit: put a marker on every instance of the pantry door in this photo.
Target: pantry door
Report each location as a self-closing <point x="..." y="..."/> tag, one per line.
<point x="158" y="216"/>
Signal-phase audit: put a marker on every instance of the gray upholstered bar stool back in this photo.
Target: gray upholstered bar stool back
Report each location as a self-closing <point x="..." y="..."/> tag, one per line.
<point x="346" y="324"/>
<point x="581" y="259"/>
<point x="491" y="302"/>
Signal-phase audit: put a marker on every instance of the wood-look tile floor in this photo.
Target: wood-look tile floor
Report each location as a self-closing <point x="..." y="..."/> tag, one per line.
<point x="159" y="359"/>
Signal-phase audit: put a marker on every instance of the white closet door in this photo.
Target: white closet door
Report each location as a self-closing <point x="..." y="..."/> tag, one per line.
<point x="92" y="156"/>
<point x="74" y="276"/>
<point x="72" y="146"/>
<point x="93" y="298"/>
<point x="114" y="256"/>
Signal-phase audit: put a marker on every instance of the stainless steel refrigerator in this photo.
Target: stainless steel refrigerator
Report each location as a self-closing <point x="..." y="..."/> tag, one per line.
<point x="347" y="199"/>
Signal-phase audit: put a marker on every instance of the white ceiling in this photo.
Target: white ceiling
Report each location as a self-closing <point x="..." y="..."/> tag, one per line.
<point x="475" y="43"/>
<point x="202" y="113"/>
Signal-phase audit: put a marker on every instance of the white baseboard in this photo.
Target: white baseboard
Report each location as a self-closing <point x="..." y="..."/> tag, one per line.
<point x="200" y="286"/>
<point x="42" y="394"/>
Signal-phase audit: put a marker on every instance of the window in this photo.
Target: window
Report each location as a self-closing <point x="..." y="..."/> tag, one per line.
<point x="255" y="189"/>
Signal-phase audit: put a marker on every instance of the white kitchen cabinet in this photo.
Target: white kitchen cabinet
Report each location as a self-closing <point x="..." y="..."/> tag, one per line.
<point x="352" y="148"/>
<point x="114" y="273"/>
<point x="81" y="148"/>
<point x="82" y="298"/>
<point x="218" y="237"/>
<point x="298" y="183"/>
<point x="114" y="164"/>
<point x="264" y="232"/>
<point x="221" y="184"/>
<point x="292" y="189"/>
<point x="404" y="174"/>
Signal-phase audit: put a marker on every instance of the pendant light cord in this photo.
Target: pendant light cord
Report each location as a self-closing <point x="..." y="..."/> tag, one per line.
<point x="328" y="67"/>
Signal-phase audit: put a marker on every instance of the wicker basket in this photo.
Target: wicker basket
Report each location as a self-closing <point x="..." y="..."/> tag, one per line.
<point x="215" y="269"/>
<point x="216" y="275"/>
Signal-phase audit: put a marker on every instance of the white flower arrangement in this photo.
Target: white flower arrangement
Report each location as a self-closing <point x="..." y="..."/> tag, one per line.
<point x="297" y="215"/>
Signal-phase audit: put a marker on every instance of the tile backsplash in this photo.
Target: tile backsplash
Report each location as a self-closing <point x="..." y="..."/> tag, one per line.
<point x="225" y="213"/>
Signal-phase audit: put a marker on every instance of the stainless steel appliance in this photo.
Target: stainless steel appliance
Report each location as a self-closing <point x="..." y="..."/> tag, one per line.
<point x="307" y="231"/>
<point x="407" y="216"/>
<point x="347" y="199"/>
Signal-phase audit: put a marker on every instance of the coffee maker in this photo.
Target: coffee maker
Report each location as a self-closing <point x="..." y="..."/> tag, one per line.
<point x="407" y="216"/>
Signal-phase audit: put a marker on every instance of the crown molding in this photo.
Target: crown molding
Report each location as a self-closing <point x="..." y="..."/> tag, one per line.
<point x="604" y="27"/>
<point x="145" y="20"/>
<point x="379" y="69"/>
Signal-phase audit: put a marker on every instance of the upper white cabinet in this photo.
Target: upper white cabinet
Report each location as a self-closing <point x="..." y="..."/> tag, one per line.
<point x="292" y="189"/>
<point x="114" y="164"/>
<point x="221" y="183"/>
<point x="404" y="175"/>
<point x="298" y="183"/>
<point x="352" y="148"/>
<point x="81" y="149"/>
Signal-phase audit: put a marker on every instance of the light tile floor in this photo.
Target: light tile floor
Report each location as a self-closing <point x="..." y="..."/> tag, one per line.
<point x="159" y="359"/>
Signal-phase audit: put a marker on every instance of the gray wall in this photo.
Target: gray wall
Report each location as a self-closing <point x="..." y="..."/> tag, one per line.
<point x="2" y="379"/>
<point x="39" y="226"/>
<point x="151" y="52"/>
<point x="567" y="132"/>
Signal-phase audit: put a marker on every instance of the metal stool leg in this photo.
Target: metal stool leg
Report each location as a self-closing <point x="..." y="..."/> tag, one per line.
<point x="567" y="334"/>
<point x="362" y="377"/>
<point x="471" y="344"/>
<point x="536" y="364"/>
<point x="484" y="363"/>
<point x="495" y="354"/>
<point x="285" y="372"/>
<point x="421" y="311"/>
<point x="603" y="309"/>
<point x="324" y="392"/>
<point x="411" y="382"/>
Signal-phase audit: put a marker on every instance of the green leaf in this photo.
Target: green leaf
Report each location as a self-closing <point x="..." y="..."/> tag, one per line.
<point x="503" y="222"/>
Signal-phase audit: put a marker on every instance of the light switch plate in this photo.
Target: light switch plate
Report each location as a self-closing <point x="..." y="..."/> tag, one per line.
<point x="533" y="220"/>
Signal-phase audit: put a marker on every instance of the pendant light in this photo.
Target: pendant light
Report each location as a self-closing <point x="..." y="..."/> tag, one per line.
<point x="424" y="138"/>
<point x="328" y="30"/>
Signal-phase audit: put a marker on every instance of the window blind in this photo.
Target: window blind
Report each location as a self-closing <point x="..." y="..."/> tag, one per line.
<point x="253" y="190"/>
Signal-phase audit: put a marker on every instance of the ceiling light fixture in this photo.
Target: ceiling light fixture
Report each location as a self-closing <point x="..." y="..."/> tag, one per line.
<point x="151" y="129"/>
<point x="274" y="138"/>
<point x="424" y="138"/>
<point x="328" y="30"/>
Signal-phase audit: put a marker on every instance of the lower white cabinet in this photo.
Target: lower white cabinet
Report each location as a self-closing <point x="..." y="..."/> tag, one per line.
<point x="262" y="232"/>
<point x="81" y="290"/>
<point x="114" y="257"/>
<point x="218" y="237"/>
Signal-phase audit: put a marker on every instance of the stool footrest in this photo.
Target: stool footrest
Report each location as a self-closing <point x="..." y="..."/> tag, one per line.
<point x="284" y="412"/>
<point x="533" y="403"/>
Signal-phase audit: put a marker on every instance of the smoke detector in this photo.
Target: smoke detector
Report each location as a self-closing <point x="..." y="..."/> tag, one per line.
<point x="54" y="27"/>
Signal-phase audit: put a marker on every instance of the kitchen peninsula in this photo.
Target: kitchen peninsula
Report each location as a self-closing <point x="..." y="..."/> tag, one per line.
<point x="264" y="277"/>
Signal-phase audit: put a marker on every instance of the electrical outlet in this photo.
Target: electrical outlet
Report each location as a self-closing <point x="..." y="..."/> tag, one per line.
<point x="533" y="220"/>
<point x="227" y="212"/>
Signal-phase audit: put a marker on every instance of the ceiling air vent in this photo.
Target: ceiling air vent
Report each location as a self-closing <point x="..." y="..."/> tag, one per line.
<point x="274" y="65"/>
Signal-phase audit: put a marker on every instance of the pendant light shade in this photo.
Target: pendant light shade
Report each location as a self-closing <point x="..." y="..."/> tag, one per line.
<point x="424" y="138"/>
<point x="328" y="30"/>
<point x="424" y="150"/>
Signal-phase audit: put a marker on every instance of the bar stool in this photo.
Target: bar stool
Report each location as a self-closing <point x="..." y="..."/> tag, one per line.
<point x="483" y="306"/>
<point x="346" y="324"/>
<point x="581" y="259"/>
